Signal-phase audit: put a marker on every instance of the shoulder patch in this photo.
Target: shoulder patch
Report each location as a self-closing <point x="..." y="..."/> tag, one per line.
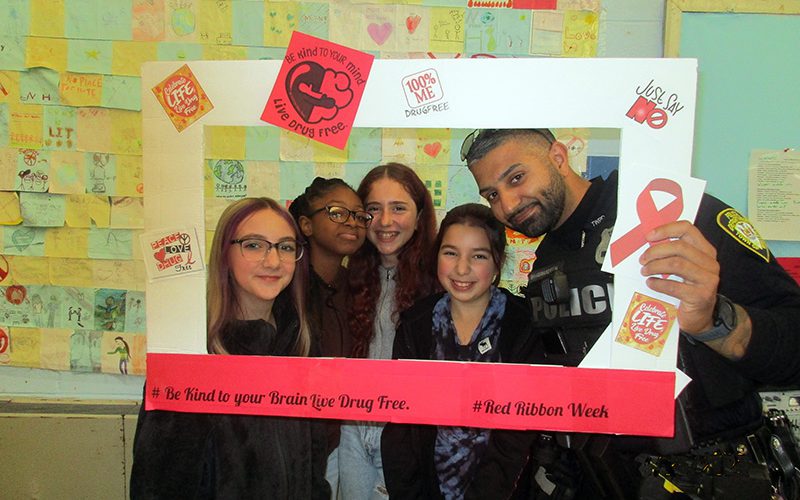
<point x="741" y="230"/>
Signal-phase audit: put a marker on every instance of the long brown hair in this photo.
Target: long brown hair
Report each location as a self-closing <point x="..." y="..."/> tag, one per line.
<point x="415" y="271"/>
<point x="221" y="301"/>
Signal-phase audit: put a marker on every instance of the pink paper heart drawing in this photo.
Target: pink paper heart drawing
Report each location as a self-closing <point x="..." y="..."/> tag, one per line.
<point x="412" y="22"/>
<point x="379" y="33"/>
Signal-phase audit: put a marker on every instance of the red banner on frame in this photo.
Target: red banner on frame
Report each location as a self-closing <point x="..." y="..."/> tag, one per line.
<point x="489" y="395"/>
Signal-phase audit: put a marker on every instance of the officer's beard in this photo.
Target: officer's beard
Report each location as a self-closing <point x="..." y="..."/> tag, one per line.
<point x="551" y="206"/>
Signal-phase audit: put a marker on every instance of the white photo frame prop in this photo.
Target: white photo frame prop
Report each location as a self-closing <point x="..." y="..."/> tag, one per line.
<point x="651" y="101"/>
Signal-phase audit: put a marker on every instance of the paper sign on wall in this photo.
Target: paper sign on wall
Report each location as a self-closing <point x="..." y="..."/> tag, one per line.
<point x="171" y="252"/>
<point x="182" y="98"/>
<point x="318" y="90"/>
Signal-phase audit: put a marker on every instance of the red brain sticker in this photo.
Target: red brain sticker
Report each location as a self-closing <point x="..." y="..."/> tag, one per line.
<point x="317" y="93"/>
<point x="318" y="89"/>
<point x="647" y="324"/>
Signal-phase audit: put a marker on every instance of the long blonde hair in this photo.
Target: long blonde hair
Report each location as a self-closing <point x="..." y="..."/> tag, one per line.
<point x="221" y="299"/>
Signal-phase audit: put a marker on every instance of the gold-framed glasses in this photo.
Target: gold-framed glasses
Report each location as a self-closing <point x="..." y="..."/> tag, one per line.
<point x="340" y="215"/>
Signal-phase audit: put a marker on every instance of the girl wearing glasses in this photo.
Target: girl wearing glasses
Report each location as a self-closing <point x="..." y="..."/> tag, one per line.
<point x="332" y="218"/>
<point x="472" y="320"/>
<point x="387" y="275"/>
<point x="256" y="306"/>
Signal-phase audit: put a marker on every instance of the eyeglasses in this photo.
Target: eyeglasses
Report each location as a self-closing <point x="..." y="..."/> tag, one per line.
<point x="340" y="215"/>
<point x="470" y="139"/>
<point x="256" y="249"/>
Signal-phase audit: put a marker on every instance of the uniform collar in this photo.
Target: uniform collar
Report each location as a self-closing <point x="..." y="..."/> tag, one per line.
<point x="572" y="232"/>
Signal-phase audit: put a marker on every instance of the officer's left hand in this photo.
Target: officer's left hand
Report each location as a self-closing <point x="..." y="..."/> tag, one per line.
<point x="680" y="249"/>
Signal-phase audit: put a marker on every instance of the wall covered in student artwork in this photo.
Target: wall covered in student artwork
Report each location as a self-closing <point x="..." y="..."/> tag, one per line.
<point x="71" y="192"/>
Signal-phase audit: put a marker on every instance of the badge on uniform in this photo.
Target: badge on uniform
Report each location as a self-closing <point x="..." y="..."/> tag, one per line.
<point x="484" y="346"/>
<point x="742" y="230"/>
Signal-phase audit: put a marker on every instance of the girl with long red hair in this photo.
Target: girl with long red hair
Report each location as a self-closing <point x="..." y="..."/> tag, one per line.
<point x="387" y="274"/>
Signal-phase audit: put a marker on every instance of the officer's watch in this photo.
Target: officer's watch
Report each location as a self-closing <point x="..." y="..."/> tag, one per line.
<point x="725" y="321"/>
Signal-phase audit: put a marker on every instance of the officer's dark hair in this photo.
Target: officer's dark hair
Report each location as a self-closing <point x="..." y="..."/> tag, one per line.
<point x="481" y="141"/>
<point x="479" y="216"/>
<point x="319" y="187"/>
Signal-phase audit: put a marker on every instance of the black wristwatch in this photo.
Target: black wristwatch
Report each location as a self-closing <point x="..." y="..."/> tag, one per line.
<point x="725" y="321"/>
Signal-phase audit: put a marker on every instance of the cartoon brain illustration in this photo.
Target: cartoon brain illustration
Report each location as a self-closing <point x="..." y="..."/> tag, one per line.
<point x="317" y="93"/>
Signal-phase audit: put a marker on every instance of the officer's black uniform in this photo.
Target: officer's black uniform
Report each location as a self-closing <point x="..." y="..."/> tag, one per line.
<point x="721" y="401"/>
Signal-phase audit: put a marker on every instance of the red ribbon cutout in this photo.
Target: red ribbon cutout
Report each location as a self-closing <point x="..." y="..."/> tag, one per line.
<point x="650" y="218"/>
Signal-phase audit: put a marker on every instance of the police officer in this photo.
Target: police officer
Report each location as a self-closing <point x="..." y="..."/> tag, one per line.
<point x="738" y="315"/>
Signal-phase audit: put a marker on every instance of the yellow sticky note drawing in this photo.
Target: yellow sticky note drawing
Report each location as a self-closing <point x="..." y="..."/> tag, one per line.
<point x="435" y="179"/>
<point x="99" y="210"/>
<point x="224" y="53"/>
<point x="8" y="169"/>
<point x="399" y="145"/>
<point x="329" y="170"/>
<point x="580" y="33"/>
<point x="28" y="270"/>
<point x="215" y="23"/>
<point x="181" y="21"/>
<point x="9" y="86"/>
<point x="447" y="30"/>
<point x="47" y="52"/>
<point x="54" y="351"/>
<point x="10" y="214"/>
<point x="67" y="172"/>
<point x="280" y="20"/>
<point x="66" y="242"/>
<point x="117" y="274"/>
<point x="127" y="212"/>
<point x="47" y="18"/>
<point x="25" y="129"/>
<point x="129" y="176"/>
<point x="78" y="89"/>
<point x="70" y="272"/>
<point x="76" y="211"/>
<point x="413" y="25"/>
<point x="433" y="146"/>
<point x="25" y="344"/>
<point x="346" y="24"/>
<point x="382" y="30"/>
<point x="94" y="129"/>
<point x="126" y="131"/>
<point x="127" y="57"/>
<point x="148" y="19"/>
<point x="225" y="142"/>
<point x="83" y="210"/>
<point x="263" y="179"/>
<point x="295" y="147"/>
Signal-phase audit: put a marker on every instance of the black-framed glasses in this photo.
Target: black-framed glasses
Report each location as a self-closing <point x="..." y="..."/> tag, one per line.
<point x="256" y="249"/>
<point x="340" y="215"/>
<point x="469" y="140"/>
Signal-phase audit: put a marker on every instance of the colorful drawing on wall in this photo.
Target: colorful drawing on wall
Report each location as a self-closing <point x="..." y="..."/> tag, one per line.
<point x="84" y="351"/>
<point x="70" y="131"/>
<point x="318" y="89"/>
<point x="123" y="350"/>
<point x="109" y="309"/>
<point x="229" y="178"/>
